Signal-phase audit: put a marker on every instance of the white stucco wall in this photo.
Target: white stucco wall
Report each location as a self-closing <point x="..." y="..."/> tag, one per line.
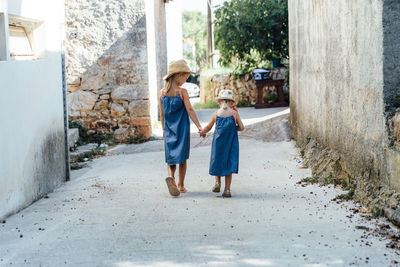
<point x="32" y="154"/>
<point x="156" y="52"/>
<point x="173" y="11"/>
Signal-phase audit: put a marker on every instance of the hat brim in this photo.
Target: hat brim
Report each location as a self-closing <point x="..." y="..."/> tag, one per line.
<point x="170" y="74"/>
<point x="225" y="98"/>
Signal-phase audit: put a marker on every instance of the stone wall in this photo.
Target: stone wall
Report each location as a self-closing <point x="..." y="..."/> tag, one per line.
<point x="343" y="75"/>
<point x="107" y="66"/>
<point x="244" y="87"/>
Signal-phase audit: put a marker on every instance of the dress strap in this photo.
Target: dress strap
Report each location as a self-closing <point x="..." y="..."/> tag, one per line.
<point x="233" y="113"/>
<point x="180" y="93"/>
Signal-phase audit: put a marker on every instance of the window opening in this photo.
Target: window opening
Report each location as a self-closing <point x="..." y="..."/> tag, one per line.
<point x="26" y="38"/>
<point x="20" y="45"/>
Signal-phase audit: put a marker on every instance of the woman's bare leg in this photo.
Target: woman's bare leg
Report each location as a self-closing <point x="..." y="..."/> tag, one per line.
<point x="218" y="179"/>
<point x="182" y="173"/>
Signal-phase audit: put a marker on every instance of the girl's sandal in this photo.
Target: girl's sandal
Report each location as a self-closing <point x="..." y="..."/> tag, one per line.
<point x="173" y="190"/>
<point x="216" y="188"/>
<point x="182" y="189"/>
<point x="227" y="193"/>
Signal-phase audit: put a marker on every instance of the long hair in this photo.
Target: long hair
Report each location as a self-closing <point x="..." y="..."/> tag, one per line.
<point x="225" y="104"/>
<point x="168" y="83"/>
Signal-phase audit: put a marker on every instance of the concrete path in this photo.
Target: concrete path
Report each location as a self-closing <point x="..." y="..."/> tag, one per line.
<point x="117" y="212"/>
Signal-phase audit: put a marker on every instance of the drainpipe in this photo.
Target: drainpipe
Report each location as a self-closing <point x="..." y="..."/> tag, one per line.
<point x="64" y="89"/>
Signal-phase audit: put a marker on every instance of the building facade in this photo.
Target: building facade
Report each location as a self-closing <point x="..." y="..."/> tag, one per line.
<point x="345" y="93"/>
<point x="32" y="145"/>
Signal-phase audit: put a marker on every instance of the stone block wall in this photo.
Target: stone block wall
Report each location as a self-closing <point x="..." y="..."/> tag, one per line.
<point x="344" y="75"/>
<point x="244" y="87"/>
<point x="107" y="66"/>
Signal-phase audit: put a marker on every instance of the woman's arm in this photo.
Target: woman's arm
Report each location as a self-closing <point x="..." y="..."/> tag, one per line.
<point x="189" y="109"/>
<point x="239" y="121"/>
<point x="161" y="111"/>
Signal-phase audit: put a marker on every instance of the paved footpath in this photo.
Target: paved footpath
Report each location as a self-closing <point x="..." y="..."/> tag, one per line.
<point x="117" y="212"/>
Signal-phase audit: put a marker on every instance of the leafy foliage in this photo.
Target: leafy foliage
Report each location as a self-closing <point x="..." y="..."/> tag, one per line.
<point x="84" y="138"/>
<point x="207" y="105"/>
<point x="249" y="32"/>
<point x="347" y="196"/>
<point x="137" y="139"/>
<point x="194" y="27"/>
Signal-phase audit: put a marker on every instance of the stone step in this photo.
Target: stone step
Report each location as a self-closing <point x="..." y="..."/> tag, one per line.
<point x="82" y="152"/>
<point x="73" y="136"/>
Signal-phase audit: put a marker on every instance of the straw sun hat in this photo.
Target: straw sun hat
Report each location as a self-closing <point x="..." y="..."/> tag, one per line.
<point x="177" y="66"/>
<point x="225" y="95"/>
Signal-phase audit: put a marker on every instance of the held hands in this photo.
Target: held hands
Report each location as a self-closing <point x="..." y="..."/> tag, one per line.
<point x="201" y="132"/>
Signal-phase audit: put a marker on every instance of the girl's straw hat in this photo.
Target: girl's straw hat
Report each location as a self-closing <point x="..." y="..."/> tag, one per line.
<point x="225" y="95"/>
<point x="177" y="66"/>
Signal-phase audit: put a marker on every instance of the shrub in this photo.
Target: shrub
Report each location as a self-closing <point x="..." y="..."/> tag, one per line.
<point x="249" y="33"/>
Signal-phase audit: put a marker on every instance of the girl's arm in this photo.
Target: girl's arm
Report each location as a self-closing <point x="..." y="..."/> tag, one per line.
<point x="161" y="111"/>
<point x="239" y="121"/>
<point x="189" y="109"/>
<point x="208" y="127"/>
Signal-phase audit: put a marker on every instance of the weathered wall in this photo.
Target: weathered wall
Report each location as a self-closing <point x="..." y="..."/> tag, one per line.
<point x="156" y="51"/>
<point x="244" y="88"/>
<point x="391" y="89"/>
<point x="339" y="79"/>
<point x="107" y="66"/>
<point x="32" y="154"/>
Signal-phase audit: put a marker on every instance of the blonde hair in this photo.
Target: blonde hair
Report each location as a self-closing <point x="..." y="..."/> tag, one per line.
<point x="168" y="83"/>
<point x="224" y="104"/>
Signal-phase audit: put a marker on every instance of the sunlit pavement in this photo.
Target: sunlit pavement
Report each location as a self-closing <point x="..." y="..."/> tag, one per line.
<point x="117" y="212"/>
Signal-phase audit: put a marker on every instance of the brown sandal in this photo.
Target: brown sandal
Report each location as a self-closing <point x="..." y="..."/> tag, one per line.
<point x="216" y="188"/>
<point x="172" y="188"/>
<point x="227" y="193"/>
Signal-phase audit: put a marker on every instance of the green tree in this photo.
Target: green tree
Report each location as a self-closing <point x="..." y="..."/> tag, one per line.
<point x="249" y="32"/>
<point x="194" y="27"/>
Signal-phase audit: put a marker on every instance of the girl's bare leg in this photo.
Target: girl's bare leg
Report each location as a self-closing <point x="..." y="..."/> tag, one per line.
<point x="182" y="173"/>
<point x="171" y="170"/>
<point x="228" y="181"/>
<point x="218" y="179"/>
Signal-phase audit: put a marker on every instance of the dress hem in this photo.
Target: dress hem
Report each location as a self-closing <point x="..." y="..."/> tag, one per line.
<point x="225" y="174"/>
<point x="176" y="163"/>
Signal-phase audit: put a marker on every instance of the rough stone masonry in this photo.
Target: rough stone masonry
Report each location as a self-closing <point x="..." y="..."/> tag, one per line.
<point x="107" y="66"/>
<point x="244" y="87"/>
<point x="345" y="94"/>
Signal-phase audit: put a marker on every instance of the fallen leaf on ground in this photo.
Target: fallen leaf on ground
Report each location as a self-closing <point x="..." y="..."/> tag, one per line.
<point x="367" y="210"/>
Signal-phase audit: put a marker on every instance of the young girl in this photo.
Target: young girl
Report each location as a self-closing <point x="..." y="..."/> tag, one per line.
<point x="225" y="145"/>
<point x="175" y="110"/>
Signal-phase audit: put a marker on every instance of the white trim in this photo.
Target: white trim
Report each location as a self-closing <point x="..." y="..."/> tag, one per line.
<point x="4" y="37"/>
